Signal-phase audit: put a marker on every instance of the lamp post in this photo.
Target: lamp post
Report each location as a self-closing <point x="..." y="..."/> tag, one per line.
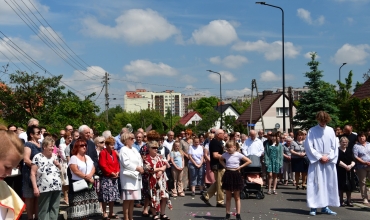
<point x="220" y="96"/>
<point x="171" y="113"/>
<point x="341" y="68"/>
<point x="283" y="58"/>
<point x="141" y="117"/>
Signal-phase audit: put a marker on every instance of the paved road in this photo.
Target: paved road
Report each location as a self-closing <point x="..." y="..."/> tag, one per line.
<point x="289" y="204"/>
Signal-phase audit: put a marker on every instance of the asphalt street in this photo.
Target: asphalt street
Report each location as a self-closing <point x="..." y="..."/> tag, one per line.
<point x="288" y="204"/>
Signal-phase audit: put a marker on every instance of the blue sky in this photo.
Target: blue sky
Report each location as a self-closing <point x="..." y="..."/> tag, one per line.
<point x="160" y="45"/>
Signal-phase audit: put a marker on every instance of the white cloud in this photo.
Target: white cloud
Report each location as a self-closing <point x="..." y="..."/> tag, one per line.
<point x="226" y="77"/>
<point x="237" y="92"/>
<point x="33" y="50"/>
<point x="188" y="79"/>
<point x="136" y="26"/>
<point x="352" y="54"/>
<point x="271" y="51"/>
<point x="9" y="17"/>
<point x="147" y="68"/>
<point x="49" y="33"/>
<point x="269" y="76"/>
<point x="305" y="15"/>
<point x="308" y="55"/>
<point x="216" y="33"/>
<point x="231" y="61"/>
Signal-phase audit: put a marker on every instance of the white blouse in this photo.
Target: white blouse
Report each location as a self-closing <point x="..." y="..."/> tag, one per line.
<point x="81" y="165"/>
<point x="48" y="175"/>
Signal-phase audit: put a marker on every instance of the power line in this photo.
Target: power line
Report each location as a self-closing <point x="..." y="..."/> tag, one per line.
<point x="42" y="38"/>
<point x="19" y="59"/>
<point x="34" y="62"/>
<point x="59" y="36"/>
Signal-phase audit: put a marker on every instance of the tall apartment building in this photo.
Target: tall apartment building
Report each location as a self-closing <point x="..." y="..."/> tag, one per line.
<point x="296" y="92"/>
<point x="187" y="100"/>
<point x="141" y="99"/>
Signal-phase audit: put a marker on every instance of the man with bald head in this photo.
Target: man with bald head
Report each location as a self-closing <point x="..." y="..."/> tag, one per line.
<point x="170" y="140"/>
<point x="260" y="136"/>
<point x="118" y="145"/>
<point x="253" y="145"/>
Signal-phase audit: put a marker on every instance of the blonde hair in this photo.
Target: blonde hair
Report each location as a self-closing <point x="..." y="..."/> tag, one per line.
<point x="152" y="144"/>
<point x="232" y="143"/>
<point x="9" y="141"/>
<point x="180" y="150"/>
<point x="47" y="141"/>
<point x="125" y="136"/>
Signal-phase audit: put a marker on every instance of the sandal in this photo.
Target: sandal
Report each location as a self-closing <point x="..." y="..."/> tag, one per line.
<point x="156" y="217"/>
<point x="274" y="192"/>
<point x="113" y="216"/>
<point x="145" y="214"/>
<point x="164" y="217"/>
<point x="269" y="192"/>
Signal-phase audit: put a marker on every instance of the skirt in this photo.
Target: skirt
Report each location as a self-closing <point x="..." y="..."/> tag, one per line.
<point x="299" y="165"/>
<point x="108" y="190"/>
<point x="232" y="181"/>
<point x="83" y="204"/>
<point x="131" y="194"/>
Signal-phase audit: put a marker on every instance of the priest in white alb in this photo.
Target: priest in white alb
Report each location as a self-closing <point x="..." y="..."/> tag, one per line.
<point x="322" y="151"/>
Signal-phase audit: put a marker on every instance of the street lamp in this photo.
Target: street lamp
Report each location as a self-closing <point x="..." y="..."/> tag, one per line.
<point x="341" y="68"/>
<point x="171" y="112"/>
<point x="220" y="96"/>
<point x="141" y="116"/>
<point x="283" y="59"/>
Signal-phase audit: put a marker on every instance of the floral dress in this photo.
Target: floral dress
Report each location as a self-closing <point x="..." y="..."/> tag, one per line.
<point x="158" y="183"/>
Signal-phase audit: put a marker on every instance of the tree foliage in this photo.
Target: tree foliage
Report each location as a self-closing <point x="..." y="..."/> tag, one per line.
<point x="357" y="113"/>
<point x="204" y="105"/>
<point x="34" y="96"/>
<point x="320" y="97"/>
<point x="241" y="106"/>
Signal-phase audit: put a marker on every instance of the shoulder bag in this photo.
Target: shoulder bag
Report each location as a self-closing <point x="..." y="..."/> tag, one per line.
<point x="80" y="184"/>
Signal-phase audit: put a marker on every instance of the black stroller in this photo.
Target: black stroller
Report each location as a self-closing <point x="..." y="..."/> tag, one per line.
<point x="254" y="169"/>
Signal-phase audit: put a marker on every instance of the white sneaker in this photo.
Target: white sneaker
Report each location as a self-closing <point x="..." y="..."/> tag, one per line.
<point x="365" y="201"/>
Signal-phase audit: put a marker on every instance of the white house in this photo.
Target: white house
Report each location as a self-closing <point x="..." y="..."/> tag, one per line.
<point x="191" y="118"/>
<point x="272" y="112"/>
<point x="227" y="111"/>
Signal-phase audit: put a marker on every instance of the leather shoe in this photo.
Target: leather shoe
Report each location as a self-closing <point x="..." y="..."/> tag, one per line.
<point x="220" y="205"/>
<point x="205" y="200"/>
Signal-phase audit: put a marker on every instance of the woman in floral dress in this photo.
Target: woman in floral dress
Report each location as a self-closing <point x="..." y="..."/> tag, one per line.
<point x="274" y="161"/>
<point x="185" y="144"/>
<point x="157" y="181"/>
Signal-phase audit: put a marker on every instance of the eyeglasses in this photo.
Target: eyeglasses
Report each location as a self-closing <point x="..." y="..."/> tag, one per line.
<point x="101" y="142"/>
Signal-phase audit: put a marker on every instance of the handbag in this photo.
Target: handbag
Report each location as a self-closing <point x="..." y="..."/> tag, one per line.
<point x="131" y="174"/>
<point x="80" y="184"/>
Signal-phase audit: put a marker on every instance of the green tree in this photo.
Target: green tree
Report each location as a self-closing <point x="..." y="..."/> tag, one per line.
<point x="208" y="121"/>
<point x="204" y="105"/>
<point x="320" y="97"/>
<point x="358" y="113"/>
<point x="343" y="97"/>
<point x="241" y="106"/>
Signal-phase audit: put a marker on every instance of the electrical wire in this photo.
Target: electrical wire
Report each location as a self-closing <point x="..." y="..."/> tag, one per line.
<point x="99" y="93"/>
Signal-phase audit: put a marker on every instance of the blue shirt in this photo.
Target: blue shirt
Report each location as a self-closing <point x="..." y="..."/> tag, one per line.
<point x="362" y="152"/>
<point x="177" y="158"/>
<point x="137" y="146"/>
<point x="118" y="145"/>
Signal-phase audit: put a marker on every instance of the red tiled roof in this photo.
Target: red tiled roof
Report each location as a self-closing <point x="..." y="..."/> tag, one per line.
<point x="364" y="91"/>
<point x="266" y="103"/>
<point x="187" y="117"/>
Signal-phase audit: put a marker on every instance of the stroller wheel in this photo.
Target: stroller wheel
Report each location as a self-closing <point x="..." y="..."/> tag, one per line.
<point x="244" y="195"/>
<point x="259" y="195"/>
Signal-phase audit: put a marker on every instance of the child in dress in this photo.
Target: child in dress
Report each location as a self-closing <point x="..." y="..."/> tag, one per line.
<point x="232" y="181"/>
<point x="177" y="160"/>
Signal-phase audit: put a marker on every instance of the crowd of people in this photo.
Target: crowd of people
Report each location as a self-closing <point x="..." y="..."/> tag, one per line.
<point x="145" y="169"/>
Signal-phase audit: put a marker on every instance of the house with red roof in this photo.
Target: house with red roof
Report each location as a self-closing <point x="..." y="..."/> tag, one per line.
<point x="191" y="118"/>
<point x="364" y="91"/>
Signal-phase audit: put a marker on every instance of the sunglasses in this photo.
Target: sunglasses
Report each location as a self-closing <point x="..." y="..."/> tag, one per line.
<point x="154" y="148"/>
<point x="83" y="145"/>
<point x="39" y="132"/>
<point x="13" y="130"/>
<point x="101" y="142"/>
<point x="131" y="138"/>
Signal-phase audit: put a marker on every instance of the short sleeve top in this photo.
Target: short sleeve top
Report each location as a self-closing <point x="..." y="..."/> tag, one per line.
<point x="177" y="158"/>
<point x="48" y="175"/>
<point x="362" y="152"/>
<point x="196" y="152"/>
<point x="232" y="160"/>
<point x="84" y="167"/>
<point x="215" y="146"/>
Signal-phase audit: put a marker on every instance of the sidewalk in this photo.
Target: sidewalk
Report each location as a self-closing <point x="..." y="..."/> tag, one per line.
<point x="357" y="201"/>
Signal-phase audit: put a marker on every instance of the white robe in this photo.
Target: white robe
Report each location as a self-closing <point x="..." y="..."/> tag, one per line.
<point x="322" y="183"/>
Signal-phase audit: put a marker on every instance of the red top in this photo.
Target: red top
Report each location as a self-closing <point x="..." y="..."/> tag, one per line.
<point x="108" y="163"/>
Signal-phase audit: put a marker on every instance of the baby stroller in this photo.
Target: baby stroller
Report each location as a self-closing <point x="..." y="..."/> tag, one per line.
<point x="252" y="179"/>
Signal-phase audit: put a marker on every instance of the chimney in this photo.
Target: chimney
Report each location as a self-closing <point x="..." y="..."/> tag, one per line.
<point x="266" y="93"/>
<point x="220" y="103"/>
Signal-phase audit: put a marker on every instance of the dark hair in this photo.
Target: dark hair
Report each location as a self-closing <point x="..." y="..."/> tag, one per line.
<point x="232" y="135"/>
<point x="31" y="130"/>
<point x="277" y="134"/>
<point x="11" y="125"/>
<point x="361" y="133"/>
<point x="77" y="145"/>
<point x="201" y="135"/>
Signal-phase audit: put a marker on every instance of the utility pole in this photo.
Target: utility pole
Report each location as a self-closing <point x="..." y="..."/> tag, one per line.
<point x="254" y="86"/>
<point x="106" y="96"/>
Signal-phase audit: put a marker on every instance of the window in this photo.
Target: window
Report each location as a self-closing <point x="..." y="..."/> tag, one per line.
<point x="279" y="111"/>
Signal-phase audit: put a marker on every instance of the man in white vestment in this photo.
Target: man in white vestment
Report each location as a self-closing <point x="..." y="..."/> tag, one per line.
<point x="322" y="151"/>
